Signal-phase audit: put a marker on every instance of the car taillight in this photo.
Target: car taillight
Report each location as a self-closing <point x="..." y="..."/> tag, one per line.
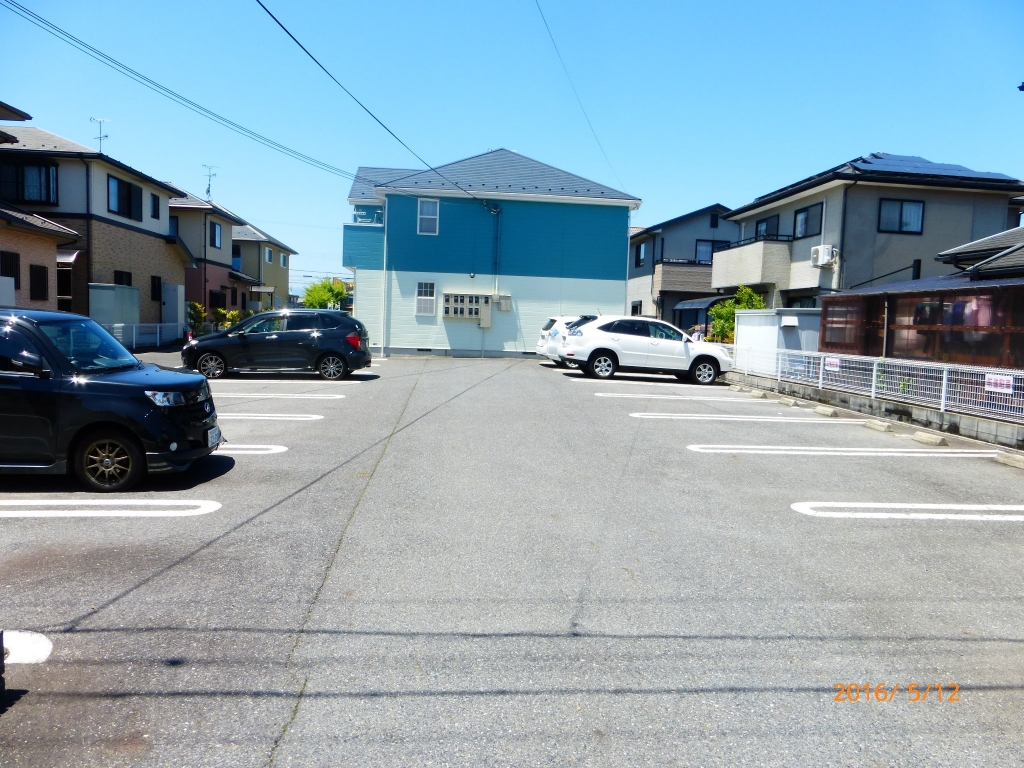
<point x="354" y="339"/>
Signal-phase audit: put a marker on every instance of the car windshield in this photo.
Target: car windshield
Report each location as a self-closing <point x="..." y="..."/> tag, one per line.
<point x="86" y="346"/>
<point x="584" y="319"/>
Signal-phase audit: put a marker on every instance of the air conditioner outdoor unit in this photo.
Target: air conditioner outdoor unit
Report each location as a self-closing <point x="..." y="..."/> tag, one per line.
<point x="823" y="256"/>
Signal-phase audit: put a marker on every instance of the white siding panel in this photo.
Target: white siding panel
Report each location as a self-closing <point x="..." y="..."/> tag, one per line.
<point x="534" y="299"/>
<point x="367" y="303"/>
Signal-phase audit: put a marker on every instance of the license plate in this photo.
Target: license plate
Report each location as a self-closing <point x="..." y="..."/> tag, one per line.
<point x="213" y="437"/>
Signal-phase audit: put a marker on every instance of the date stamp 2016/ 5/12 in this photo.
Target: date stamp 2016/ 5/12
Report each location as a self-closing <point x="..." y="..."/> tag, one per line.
<point x="915" y="693"/>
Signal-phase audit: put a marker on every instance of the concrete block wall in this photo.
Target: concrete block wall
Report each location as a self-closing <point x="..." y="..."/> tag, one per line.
<point x="976" y="427"/>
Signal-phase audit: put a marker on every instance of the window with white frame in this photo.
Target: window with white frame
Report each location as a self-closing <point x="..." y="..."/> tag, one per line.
<point x="425" y="301"/>
<point x="268" y="255"/>
<point x="427" y="218"/>
<point x="284" y="259"/>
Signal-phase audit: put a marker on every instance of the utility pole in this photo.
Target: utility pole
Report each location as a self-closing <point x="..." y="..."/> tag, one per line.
<point x="210" y="176"/>
<point x="102" y="136"/>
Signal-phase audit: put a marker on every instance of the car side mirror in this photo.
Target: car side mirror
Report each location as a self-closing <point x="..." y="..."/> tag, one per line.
<point x="31" y="363"/>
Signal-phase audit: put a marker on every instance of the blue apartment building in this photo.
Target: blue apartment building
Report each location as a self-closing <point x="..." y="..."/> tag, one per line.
<point x="471" y="259"/>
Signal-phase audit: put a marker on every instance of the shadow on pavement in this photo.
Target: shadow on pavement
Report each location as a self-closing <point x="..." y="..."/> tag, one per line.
<point x="9" y="698"/>
<point x="202" y="471"/>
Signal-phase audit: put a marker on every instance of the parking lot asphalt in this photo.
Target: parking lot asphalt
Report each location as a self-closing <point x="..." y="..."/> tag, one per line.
<point x="464" y="562"/>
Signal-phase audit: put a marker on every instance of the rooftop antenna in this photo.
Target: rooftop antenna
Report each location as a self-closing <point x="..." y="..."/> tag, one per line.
<point x="102" y="136"/>
<point x="210" y="176"/>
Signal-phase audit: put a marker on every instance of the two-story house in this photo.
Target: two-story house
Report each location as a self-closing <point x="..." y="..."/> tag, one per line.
<point x="471" y="259"/>
<point x="206" y="229"/>
<point x="121" y="216"/>
<point x="865" y="221"/>
<point x="670" y="263"/>
<point x="30" y="258"/>
<point x="255" y="254"/>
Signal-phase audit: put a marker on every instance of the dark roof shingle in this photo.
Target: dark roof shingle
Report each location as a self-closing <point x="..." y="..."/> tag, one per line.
<point x="17" y="217"/>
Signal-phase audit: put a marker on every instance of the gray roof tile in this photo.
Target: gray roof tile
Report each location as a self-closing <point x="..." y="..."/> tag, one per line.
<point x="28" y="220"/>
<point x="191" y="201"/>
<point x="499" y="171"/>
<point x="37" y="139"/>
<point x="249" y="232"/>
<point x="993" y="243"/>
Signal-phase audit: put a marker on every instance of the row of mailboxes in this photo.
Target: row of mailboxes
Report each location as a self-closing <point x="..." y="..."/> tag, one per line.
<point x="467" y="306"/>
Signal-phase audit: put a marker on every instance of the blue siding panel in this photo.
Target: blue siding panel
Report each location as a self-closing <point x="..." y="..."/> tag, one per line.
<point x="538" y="239"/>
<point x="363" y="246"/>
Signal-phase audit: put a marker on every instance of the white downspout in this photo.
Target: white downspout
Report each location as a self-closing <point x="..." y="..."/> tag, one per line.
<point x="384" y="286"/>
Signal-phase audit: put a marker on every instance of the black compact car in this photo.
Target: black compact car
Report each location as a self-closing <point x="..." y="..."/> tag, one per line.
<point x="332" y="343"/>
<point x="72" y="397"/>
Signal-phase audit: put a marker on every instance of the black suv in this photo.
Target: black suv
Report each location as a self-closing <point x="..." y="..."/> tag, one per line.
<point x="71" y="394"/>
<point x="330" y="342"/>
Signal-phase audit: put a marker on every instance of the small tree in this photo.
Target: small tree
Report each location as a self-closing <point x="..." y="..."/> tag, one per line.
<point x="220" y="317"/>
<point x="723" y="314"/>
<point x="196" y="316"/>
<point x="325" y="295"/>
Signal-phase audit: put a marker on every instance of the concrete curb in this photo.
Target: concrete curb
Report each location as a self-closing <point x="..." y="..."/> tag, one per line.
<point x="1011" y="459"/>
<point x="787" y="401"/>
<point x="758" y="393"/>
<point x="824" y="410"/>
<point x="879" y="426"/>
<point x="929" y="439"/>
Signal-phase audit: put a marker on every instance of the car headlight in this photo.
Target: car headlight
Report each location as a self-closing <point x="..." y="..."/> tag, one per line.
<point x="164" y="399"/>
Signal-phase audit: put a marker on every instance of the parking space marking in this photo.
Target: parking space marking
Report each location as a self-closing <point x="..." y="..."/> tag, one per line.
<point x="736" y="399"/>
<point x="106" y="508"/>
<point x="270" y="416"/>
<point x="236" y="449"/>
<point x="812" y="450"/>
<point x="24" y="647"/>
<point x="279" y="396"/>
<point x="940" y="511"/>
<point x="733" y="417"/>
<point x="702" y="387"/>
<point x="312" y="379"/>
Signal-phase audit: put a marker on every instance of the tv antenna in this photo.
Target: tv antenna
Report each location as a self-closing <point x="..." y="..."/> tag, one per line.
<point x="102" y="136"/>
<point x="210" y="176"/>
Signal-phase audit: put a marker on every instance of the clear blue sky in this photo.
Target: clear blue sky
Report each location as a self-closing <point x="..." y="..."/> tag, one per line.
<point x="695" y="103"/>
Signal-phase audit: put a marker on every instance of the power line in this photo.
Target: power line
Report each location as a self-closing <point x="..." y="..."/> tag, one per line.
<point x="363" y="106"/>
<point x="127" y="71"/>
<point x="574" y="92"/>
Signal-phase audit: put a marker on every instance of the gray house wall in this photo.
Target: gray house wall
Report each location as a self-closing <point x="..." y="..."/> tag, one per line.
<point x="951" y="218"/>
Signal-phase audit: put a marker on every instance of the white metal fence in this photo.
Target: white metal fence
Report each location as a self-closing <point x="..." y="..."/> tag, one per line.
<point x="134" y="335"/>
<point x="995" y="392"/>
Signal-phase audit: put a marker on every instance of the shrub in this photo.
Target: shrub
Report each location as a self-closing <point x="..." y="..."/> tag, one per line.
<point x="220" y="318"/>
<point x="723" y="314"/>
<point x="196" y="316"/>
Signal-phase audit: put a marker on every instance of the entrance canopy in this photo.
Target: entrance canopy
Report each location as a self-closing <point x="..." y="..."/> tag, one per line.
<point x="703" y="303"/>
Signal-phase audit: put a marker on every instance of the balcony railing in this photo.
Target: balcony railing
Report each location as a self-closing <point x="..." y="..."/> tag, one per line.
<point x="683" y="261"/>
<point x="754" y="239"/>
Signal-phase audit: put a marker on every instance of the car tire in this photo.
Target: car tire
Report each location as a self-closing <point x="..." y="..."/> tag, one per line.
<point x="602" y="365"/>
<point x="704" y="371"/>
<point x="211" y="365"/>
<point x="109" y="460"/>
<point x="332" y="367"/>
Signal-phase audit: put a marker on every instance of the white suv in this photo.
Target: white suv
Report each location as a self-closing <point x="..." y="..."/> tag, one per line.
<point x="551" y="335"/>
<point x="620" y="343"/>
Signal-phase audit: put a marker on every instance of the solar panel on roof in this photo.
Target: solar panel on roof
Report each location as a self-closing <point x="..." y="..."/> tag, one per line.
<point x="882" y="161"/>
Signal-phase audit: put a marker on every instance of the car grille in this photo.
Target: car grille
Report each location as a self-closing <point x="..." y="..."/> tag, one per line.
<point x="196" y="413"/>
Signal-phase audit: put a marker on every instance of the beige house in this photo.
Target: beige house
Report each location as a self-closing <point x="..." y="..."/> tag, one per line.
<point x="205" y="229"/>
<point x="876" y="219"/>
<point x="29" y="257"/>
<point x="268" y="260"/>
<point x="121" y="215"/>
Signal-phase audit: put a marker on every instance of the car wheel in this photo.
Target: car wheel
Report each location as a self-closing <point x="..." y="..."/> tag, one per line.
<point x="332" y="367"/>
<point x="704" y="371"/>
<point x="211" y="365"/>
<point x="602" y="366"/>
<point x="108" y="461"/>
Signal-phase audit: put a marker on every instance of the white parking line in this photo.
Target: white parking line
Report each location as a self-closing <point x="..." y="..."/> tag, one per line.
<point x="282" y="397"/>
<point x="737" y="399"/>
<point x="106" y="508"/>
<point x="587" y="380"/>
<point x="236" y="449"/>
<point x="950" y="511"/>
<point x="308" y="380"/>
<point x="810" y="450"/>
<point x="269" y="416"/>
<point x="26" y="647"/>
<point x="733" y="417"/>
